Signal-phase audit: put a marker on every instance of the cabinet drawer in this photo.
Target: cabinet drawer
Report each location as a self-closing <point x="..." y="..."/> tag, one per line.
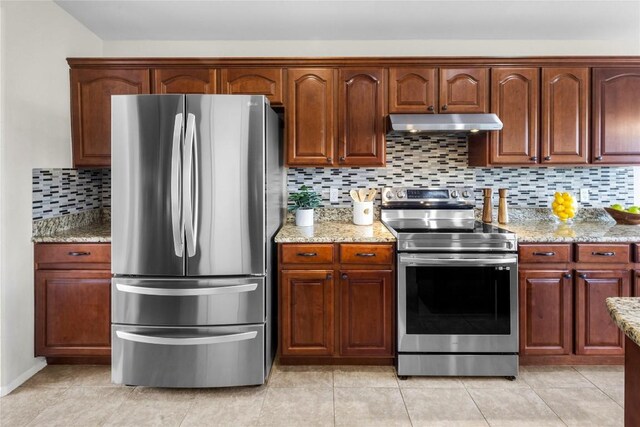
<point x="68" y="254"/>
<point x="596" y="252"/>
<point x="308" y="253"/>
<point x="544" y="253"/>
<point x="366" y="254"/>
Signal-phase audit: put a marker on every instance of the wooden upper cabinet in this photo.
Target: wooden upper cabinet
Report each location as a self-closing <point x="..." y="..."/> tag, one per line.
<point x="361" y="111"/>
<point x="616" y="113"/>
<point x="514" y="98"/>
<point x="310" y="117"/>
<point x="596" y="333"/>
<point x="464" y="90"/>
<point x="254" y="81"/>
<point x="565" y="115"/>
<point x="413" y="90"/>
<point x="184" y="80"/>
<point x="91" y="91"/>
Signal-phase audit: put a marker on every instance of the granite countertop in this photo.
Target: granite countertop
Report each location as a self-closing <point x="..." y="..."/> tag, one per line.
<point x="95" y="232"/>
<point x="533" y="231"/>
<point x="334" y="231"/>
<point x="626" y="313"/>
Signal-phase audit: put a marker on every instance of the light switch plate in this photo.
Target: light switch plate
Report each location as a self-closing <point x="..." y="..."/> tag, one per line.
<point x="584" y="194"/>
<point x="333" y="194"/>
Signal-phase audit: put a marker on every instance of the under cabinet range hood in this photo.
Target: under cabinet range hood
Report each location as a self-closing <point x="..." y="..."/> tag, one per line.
<point x="442" y="124"/>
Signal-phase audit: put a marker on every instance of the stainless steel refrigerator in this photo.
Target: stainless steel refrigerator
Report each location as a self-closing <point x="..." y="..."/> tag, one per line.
<point x="197" y="196"/>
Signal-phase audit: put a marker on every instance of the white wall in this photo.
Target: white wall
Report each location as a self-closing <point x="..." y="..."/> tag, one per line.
<point x="36" y="38"/>
<point x="372" y="48"/>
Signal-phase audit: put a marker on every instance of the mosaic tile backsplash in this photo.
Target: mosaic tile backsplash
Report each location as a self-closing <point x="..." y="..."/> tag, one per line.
<point x="59" y="192"/>
<point x="442" y="161"/>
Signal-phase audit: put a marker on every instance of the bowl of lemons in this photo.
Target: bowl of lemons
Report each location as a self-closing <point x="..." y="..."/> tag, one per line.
<point x="564" y="206"/>
<point x="629" y="216"/>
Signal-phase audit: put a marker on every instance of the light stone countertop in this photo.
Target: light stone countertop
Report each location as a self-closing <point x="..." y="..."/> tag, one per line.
<point x="334" y="231"/>
<point x="99" y="232"/>
<point x="626" y="313"/>
<point x="579" y="231"/>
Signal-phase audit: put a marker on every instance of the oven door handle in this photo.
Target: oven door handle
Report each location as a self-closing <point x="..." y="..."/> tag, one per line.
<point x="481" y="262"/>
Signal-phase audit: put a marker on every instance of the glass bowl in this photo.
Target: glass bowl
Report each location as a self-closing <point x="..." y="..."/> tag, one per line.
<point x="564" y="206"/>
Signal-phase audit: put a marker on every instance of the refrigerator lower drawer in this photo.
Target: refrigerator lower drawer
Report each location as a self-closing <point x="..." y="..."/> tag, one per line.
<point x="188" y="357"/>
<point x="187" y="302"/>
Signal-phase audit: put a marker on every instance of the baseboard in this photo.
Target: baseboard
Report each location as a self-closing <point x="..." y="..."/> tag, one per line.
<point x="39" y="365"/>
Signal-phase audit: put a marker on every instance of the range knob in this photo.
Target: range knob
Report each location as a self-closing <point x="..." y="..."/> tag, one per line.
<point x="389" y="195"/>
<point x="454" y="194"/>
<point x="465" y="194"/>
<point x="400" y="194"/>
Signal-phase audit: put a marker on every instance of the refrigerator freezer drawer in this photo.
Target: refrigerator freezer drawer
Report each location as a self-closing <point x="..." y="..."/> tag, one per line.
<point x="220" y="356"/>
<point x="187" y="302"/>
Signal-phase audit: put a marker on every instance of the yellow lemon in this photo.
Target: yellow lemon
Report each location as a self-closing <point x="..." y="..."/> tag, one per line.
<point x="555" y="204"/>
<point x="557" y="194"/>
<point x="566" y="195"/>
<point x="570" y="213"/>
<point x="563" y="215"/>
<point x="560" y="208"/>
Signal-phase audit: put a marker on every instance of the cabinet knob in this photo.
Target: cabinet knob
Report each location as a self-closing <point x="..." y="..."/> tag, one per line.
<point x="329" y="159"/>
<point x="445" y="107"/>
<point x="567" y="276"/>
<point x="598" y="158"/>
<point x="329" y="276"/>
<point x="344" y="276"/>
<point x="430" y="108"/>
<point x="534" y="158"/>
<point x="342" y="159"/>
<point x="547" y="158"/>
<point x="582" y="275"/>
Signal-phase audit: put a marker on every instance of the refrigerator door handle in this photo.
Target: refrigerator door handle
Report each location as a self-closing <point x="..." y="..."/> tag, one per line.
<point x="189" y="215"/>
<point x="177" y="224"/>
<point x="216" y="339"/>
<point x="217" y="290"/>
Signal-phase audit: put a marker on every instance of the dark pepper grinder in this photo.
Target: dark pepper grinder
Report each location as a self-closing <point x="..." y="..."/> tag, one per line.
<point x="487" y="210"/>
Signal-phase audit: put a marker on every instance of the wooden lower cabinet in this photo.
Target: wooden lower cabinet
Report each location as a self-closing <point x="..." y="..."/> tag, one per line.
<point x="596" y="333"/>
<point x="546" y="307"/>
<point x="366" y="310"/>
<point x="72" y="313"/>
<point x="306" y="312"/>
<point x="333" y="311"/>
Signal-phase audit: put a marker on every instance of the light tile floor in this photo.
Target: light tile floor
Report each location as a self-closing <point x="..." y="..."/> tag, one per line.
<point x="325" y="396"/>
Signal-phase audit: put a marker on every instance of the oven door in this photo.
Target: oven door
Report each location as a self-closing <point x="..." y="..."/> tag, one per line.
<point x="457" y="303"/>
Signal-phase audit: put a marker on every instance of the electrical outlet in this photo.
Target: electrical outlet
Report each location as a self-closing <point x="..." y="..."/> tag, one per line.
<point x="584" y="194"/>
<point x="333" y="194"/>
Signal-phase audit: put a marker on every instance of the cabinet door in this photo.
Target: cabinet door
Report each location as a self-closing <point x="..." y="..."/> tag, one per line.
<point x="366" y="313"/>
<point x="636" y="283"/>
<point x="361" y="110"/>
<point x="514" y="98"/>
<point x="184" y="80"/>
<point x="546" y="312"/>
<point x="72" y="313"/>
<point x="91" y="91"/>
<point x="310" y="117"/>
<point x="412" y="90"/>
<point x="254" y="81"/>
<point x="565" y="115"/>
<point x="596" y="333"/>
<point x="616" y="108"/>
<point x="464" y="90"/>
<point x="307" y="315"/>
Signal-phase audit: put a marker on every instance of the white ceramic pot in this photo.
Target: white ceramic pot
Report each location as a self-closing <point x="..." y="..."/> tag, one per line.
<point x="304" y="217"/>
<point x="362" y="213"/>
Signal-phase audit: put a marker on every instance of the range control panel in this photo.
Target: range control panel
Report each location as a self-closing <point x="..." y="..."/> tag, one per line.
<point x="431" y="196"/>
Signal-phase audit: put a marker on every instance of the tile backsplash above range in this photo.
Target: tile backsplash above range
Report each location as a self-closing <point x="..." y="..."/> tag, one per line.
<point x="442" y="161"/>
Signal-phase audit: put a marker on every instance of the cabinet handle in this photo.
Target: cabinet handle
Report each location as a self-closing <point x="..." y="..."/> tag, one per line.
<point x="329" y="159"/>
<point x="342" y="159"/>
<point x="582" y="275"/>
<point x="430" y="108"/>
<point x="567" y="276"/>
<point x="603" y="253"/>
<point x="329" y="276"/>
<point x="534" y="158"/>
<point x="79" y="253"/>
<point x="445" y="107"/>
<point x="344" y="276"/>
<point x="544" y="253"/>
<point x="365" y="254"/>
<point x="547" y="158"/>
<point x="307" y="254"/>
<point x="598" y="158"/>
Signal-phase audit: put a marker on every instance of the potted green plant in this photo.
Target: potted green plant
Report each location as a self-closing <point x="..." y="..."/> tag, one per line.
<point x="304" y="202"/>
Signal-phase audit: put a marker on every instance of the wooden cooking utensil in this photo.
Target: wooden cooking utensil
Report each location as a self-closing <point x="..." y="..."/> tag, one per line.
<point x="363" y="194"/>
<point x="354" y="195"/>
<point x="371" y="195"/>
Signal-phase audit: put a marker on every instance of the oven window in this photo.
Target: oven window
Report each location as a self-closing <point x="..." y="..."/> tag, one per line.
<point x="458" y="300"/>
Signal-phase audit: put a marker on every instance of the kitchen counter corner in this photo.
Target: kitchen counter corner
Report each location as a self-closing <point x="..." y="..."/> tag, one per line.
<point x="625" y="312"/>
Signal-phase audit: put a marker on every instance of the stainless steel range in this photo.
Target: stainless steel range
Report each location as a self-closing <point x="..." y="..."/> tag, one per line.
<point x="457" y="285"/>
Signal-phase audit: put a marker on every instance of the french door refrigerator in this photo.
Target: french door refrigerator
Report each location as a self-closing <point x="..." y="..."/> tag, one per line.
<point x="197" y="196"/>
